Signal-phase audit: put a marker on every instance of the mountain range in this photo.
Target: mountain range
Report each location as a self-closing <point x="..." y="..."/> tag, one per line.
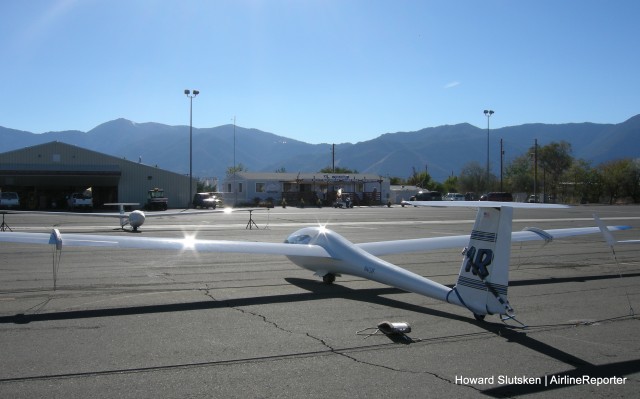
<point x="442" y="150"/>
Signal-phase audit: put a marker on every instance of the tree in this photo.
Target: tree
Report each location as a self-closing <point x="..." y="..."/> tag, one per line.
<point x="620" y="178"/>
<point x="634" y="182"/>
<point x="329" y="169"/>
<point x="420" y="179"/>
<point x="554" y="159"/>
<point x="205" y="186"/>
<point x="235" y="169"/>
<point x="519" y="175"/>
<point x="584" y="181"/>
<point x="435" y="186"/>
<point x="472" y="178"/>
<point x="450" y="185"/>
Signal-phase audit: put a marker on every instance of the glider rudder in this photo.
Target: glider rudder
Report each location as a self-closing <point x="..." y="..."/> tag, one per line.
<point x="484" y="274"/>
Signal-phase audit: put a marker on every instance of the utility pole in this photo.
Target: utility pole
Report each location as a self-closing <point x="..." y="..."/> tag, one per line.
<point x="333" y="169"/>
<point x="535" y="169"/>
<point x="501" y="159"/>
<point x="235" y="188"/>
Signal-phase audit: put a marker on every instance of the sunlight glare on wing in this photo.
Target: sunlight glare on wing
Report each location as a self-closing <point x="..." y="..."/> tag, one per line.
<point x="189" y="241"/>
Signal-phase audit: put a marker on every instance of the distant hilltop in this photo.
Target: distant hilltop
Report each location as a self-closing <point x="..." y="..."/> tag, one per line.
<point x="443" y="150"/>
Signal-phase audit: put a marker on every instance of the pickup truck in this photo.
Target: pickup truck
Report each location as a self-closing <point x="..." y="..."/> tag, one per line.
<point x="9" y="199"/>
<point x="79" y="200"/>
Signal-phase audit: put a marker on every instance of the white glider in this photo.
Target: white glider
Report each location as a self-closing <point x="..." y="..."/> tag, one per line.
<point x="481" y="286"/>
<point x="135" y="218"/>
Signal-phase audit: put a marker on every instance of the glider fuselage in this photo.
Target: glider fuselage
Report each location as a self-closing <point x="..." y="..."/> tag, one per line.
<point x="347" y="258"/>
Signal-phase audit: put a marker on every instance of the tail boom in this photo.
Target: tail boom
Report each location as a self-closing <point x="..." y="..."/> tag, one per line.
<point x="482" y="282"/>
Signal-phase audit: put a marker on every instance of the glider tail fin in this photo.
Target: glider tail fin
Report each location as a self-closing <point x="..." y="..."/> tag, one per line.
<point x="484" y="275"/>
<point x="124" y="219"/>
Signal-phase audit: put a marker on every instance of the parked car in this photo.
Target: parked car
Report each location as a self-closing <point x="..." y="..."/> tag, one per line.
<point x="79" y="200"/>
<point x="497" y="196"/>
<point x="9" y="200"/>
<point x="427" y="196"/>
<point x="424" y="196"/>
<point x="470" y="196"/>
<point x="540" y="198"/>
<point x="206" y="200"/>
<point x="454" y="197"/>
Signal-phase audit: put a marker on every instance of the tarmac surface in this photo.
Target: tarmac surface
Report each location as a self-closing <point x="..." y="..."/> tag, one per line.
<point x="142" y="324"/>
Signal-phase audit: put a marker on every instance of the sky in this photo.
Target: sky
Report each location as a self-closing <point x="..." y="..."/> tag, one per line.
<point x="318" y="71"/>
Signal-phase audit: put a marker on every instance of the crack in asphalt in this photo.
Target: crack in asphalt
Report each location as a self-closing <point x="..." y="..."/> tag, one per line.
<point x="208" y="293"/>
<point x="338" y="351"/>
<point x="398" y="370"/>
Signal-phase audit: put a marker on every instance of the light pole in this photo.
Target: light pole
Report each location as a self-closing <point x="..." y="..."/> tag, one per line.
<point x="488" y="114"/>
<point x="191" y="94"/>
<point x="235" y="188"/>
<point x="501" y="159"/>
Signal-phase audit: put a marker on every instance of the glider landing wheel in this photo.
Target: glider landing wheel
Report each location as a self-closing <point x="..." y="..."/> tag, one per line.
<point x="329" y="278"/>
<point x="479" y="317"/>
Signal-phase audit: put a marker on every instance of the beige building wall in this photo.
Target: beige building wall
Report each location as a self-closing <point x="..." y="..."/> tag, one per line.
<point x="67" y="165"/>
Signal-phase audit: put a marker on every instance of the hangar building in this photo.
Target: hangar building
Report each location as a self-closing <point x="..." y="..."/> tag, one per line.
<point x="45" y="175"/>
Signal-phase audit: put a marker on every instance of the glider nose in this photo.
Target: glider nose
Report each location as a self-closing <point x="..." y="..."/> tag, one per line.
<point x="136" y="219"/>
